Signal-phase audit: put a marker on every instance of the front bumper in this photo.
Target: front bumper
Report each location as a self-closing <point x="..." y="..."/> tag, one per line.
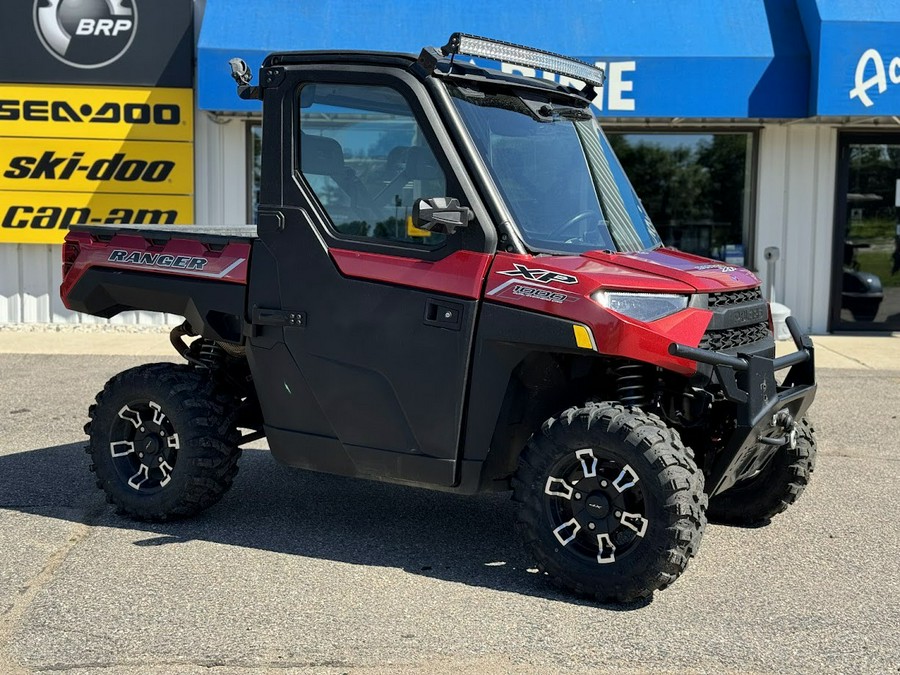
<point x="766" y="411"/>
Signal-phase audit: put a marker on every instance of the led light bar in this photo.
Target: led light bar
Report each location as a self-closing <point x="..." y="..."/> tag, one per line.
<point x="507" y="52"/>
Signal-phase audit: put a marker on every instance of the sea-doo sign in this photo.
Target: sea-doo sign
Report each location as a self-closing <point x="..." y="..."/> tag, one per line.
<point x="86" y="33"/>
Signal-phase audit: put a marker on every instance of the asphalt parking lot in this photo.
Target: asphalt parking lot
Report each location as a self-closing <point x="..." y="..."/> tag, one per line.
<point x="300" y="572"/>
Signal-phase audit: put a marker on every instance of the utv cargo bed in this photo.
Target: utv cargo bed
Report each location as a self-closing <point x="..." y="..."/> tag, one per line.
<point x="162" y="268"/>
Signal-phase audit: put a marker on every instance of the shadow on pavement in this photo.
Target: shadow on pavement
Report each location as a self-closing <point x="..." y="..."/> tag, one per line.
<point x="463" y="539"/>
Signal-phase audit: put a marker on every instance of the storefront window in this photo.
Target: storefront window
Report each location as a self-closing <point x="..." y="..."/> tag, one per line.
<point x="867" y="234"/>
<point x="695" y="186"/>
<point x="254" y="154"/>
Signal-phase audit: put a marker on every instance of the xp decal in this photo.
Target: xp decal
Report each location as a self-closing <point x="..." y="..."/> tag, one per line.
<point x="539" y="275"/>
<point x="86" y="33"/>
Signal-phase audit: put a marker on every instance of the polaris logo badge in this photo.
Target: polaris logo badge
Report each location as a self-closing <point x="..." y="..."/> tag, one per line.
<point x="86" y="33"/>
<point x="539" y="275"/>
<point x="52" y="167"/>
<point x="181" y="262"/>
<point x="750" y="314"/>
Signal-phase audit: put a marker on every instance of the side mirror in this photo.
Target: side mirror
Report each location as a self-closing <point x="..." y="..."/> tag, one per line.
<point x="440" y="214"/>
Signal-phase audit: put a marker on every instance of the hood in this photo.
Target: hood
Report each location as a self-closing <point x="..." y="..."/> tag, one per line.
<point x="701" y="274"/>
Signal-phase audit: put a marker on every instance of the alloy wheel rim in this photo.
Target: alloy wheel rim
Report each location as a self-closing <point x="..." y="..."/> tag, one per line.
<point x="595" y="506"/>
<point x="144" y="445"/>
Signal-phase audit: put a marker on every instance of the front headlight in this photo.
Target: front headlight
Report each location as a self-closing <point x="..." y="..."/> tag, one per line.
<point x="642" y="306"/>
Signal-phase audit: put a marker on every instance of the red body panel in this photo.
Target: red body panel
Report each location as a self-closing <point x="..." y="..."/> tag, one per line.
<point x="617" y="335"/>
<point x="181" y="257"/>
<point x="461" y="273"/>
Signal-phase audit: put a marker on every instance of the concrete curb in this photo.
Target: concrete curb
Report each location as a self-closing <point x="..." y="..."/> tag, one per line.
<point x="848" y="352"/>
<point x="87" y="340"/>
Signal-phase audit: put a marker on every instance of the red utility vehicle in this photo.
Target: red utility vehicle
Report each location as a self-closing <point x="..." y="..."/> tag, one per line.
<point x="453" y="285"/>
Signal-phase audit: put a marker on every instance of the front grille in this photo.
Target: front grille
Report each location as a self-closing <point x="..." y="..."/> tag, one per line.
<point x="729" y="298"/>
<point x="740" y="319"/>
<point x="730" y="338"/>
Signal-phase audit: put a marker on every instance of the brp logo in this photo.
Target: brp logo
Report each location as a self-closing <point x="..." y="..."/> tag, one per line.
<point x="86" y="33"/>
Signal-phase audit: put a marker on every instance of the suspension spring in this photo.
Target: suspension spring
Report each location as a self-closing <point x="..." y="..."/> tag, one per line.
<point x="631" y="384"/>
<point x="210" y="354"/>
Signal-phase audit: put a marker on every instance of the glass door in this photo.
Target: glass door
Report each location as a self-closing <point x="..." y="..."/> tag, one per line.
<point x="866" y="273"/>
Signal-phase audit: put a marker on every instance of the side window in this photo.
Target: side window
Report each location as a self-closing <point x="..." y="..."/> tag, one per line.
<point x="367" y="159"/>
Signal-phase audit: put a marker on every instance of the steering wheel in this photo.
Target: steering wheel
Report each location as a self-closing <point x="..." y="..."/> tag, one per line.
<point x="571" y="222"/>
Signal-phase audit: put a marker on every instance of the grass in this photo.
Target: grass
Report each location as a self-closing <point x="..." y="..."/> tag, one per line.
<point x="879" y="262"/>
<point x="872" y="228"/>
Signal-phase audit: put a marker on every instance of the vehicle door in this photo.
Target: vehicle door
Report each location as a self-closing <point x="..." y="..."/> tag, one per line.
<point x="364" y="322"/>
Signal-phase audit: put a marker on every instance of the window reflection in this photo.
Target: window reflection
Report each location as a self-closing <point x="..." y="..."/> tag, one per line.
<point x="695" y="187"/>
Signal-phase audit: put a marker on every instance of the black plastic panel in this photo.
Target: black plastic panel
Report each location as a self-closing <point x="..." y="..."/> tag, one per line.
<point x="214" y="309"/>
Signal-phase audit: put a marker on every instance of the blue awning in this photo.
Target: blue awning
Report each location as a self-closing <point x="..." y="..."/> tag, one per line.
<point x="707" y="58"/>
<point x="855" y="50"/>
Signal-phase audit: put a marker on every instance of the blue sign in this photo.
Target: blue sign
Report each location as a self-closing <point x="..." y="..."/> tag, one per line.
<point x="855" y="49"/>
<point x="706" y="58"/>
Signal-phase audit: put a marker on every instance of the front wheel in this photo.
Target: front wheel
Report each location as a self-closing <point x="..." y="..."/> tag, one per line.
<point x="611" y="503"/>
<point x="755" y="501"/>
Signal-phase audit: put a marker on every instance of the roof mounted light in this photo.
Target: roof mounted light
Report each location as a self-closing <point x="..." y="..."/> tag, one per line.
<point x="507" y="52"/>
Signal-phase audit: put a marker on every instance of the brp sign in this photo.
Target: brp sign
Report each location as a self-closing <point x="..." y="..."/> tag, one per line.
<point x="86" y="33"/>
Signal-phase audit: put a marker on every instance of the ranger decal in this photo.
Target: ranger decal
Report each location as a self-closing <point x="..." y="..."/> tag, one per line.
<point x="181" y="262"/>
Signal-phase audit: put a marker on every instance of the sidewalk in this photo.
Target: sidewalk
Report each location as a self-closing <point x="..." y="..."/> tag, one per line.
<point x="108" y="340"/>
<point x="866" y="352"/>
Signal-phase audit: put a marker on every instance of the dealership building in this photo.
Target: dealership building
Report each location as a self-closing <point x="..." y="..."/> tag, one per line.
<point x="763" y="133"/>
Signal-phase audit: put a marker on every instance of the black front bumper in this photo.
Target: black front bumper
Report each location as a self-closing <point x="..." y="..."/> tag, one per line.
<point x="766" y="411"/>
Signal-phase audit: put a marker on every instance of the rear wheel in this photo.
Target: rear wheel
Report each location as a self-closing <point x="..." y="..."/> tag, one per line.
<point x="756" y="500"/>
<point x="163" y="441"/>
<point x="611" y="503"/>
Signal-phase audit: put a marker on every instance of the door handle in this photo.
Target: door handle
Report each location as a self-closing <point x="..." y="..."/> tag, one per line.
<point x="443" y="314"/>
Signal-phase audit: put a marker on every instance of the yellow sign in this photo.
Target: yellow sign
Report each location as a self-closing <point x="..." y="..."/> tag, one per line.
<point x="93" y="155"/>
<point x="44" y="218"/>
<point x="90" y="165"/>
<point x="118" y="113"/>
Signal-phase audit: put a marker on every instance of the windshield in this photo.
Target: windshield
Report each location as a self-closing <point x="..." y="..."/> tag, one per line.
<point x="556" y="172"/>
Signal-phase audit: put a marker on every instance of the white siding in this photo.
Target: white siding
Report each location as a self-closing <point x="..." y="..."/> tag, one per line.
<point x="30" y="274"/>
<point x="220" y="169"/>
<point x="795" y="212"/>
